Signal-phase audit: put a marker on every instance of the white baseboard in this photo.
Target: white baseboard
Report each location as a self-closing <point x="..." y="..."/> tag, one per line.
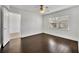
<point x="26" y="35"/>
<point x="63" y="36"/>
<point x="71" y="38"/>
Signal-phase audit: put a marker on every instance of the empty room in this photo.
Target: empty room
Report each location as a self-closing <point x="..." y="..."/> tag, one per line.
<point x="39" y="28"/>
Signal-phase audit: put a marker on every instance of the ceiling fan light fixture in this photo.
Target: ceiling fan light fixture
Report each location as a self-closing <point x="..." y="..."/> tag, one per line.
<point x="42" y="8"/>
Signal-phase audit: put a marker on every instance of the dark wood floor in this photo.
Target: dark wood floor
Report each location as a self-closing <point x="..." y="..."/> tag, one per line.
<point x="41" y="43"/>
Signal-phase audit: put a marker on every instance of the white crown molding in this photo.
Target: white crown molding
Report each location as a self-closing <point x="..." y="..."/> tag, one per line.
<point x="58" y="9"/>
<point x="24" y="10"/>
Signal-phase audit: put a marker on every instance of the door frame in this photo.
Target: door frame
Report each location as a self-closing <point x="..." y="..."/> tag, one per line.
<point x="2" y="6"/>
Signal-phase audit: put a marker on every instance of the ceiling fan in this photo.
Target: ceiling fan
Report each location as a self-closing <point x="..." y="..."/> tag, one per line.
<point x="43" y="8"/>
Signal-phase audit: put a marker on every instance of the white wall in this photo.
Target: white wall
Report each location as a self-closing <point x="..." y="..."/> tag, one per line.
<point x="73" y="32"/>
<point x="31" y="23"/>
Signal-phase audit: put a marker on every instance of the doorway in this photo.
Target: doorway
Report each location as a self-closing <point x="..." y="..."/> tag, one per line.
<point x="10" y="25"/>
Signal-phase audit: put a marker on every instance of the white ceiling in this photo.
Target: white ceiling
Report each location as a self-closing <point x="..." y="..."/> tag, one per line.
<point x="36" y="8"/>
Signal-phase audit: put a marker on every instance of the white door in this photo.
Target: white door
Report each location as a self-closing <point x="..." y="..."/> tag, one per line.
<point x="5" y="26"/>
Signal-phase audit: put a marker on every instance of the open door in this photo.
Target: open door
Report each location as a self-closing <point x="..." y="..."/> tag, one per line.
<point x="5" y="26"/>
<point x="11" y="25"/>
